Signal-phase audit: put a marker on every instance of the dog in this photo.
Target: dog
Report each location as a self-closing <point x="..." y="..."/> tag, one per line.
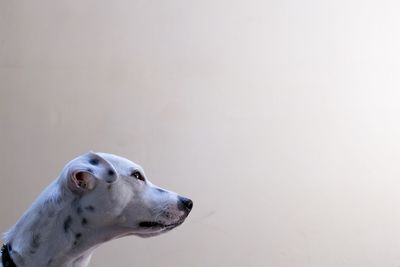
<point x="96" y="198"/>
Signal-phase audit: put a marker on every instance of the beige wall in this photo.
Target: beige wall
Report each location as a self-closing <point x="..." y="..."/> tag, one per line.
<point x="279" y="118"/>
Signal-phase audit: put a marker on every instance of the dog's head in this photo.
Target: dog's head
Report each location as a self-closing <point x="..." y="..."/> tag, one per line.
<point x="114" y="192"/>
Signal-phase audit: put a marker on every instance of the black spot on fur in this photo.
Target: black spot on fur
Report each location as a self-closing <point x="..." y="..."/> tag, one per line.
<point x="75" y="202"/>
<point x="67" y="224"/>
<point x="90" y="208"/>
<point x="35" y="241"/>
<point x="79" y="210"/>
<point x="90" y="170"/>
<point x="111" y="172"/>
<point x="84" y="221"/>
<point x="94" y="161"/>
<point x="77" y="237"/>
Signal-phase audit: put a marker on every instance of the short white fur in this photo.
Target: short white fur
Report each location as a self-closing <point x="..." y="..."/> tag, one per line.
<point x="95" y="199"/>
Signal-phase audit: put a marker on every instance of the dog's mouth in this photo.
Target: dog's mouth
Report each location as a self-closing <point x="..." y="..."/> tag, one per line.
<point x="154" y="228"/>
<point x="158" y="225"/>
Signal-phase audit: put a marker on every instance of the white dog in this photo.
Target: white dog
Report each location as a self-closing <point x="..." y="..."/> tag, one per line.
<point x="97" y="197"/>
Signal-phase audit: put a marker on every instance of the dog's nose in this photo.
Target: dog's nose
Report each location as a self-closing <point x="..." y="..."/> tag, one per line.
<point x="185" y="204"/>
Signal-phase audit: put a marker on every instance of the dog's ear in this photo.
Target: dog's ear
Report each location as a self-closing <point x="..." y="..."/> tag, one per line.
<point x="86" y="171"/>
<point x="81" y="181"/>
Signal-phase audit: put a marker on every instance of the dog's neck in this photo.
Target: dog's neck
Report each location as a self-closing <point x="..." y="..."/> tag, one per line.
<point x="55" y="233"/>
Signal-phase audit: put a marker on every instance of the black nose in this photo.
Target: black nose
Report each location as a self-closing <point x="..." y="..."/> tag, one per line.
<point x="185" y="204"/>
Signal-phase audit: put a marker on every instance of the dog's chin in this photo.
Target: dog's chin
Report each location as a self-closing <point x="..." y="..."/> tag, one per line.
<point x="147" y="235"/>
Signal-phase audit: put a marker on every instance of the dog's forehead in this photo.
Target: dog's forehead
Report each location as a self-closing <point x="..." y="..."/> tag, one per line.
<point x="121" y="164"/>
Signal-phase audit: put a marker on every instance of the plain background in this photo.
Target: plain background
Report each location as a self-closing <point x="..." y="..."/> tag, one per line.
<point x="280" y="119"/>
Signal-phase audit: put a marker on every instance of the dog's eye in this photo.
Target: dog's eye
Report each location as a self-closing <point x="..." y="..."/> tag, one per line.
<point x="137" y="175"/>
